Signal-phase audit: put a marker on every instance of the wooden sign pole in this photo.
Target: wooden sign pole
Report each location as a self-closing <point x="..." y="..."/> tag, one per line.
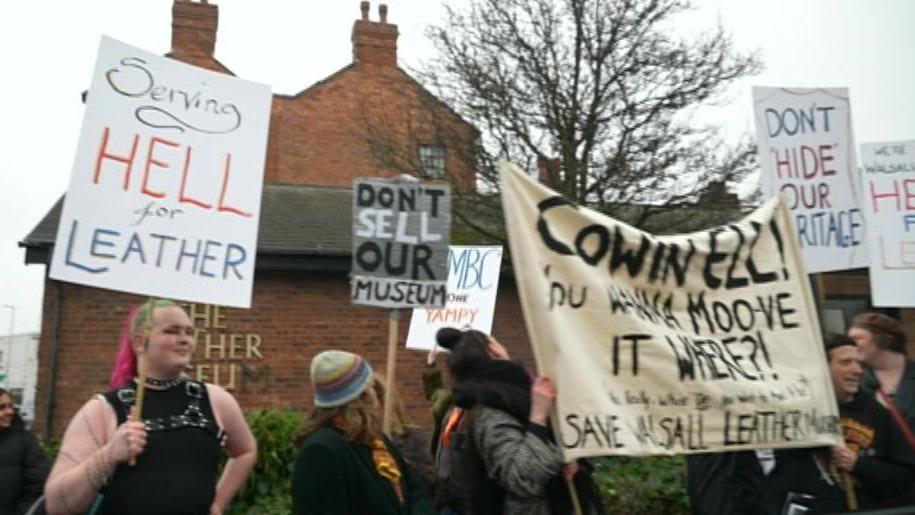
<point x="143" y="366"/>
<point x="393" y="326"/>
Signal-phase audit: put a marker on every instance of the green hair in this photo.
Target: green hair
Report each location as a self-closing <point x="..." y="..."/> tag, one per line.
<point x="145" y="312"/>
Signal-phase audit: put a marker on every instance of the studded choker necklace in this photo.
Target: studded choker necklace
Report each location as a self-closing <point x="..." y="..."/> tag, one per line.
<point x="165" y="383"/>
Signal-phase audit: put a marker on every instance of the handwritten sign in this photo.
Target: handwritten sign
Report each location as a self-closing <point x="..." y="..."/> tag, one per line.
<point x="669" y="344"/>
<point x="806" y="153"/>
<point x="400" y="243"/>
<point x="473" y="280"/>
<point x="888" y="181"/>
<point x="165" y="191"/>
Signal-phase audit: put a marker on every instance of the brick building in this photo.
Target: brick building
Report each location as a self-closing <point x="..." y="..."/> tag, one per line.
<point x="368" y="119"/>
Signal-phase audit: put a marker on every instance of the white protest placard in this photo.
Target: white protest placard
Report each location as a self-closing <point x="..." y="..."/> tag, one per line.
<point x="473" y="281"/>
<point x="165" y="192"/>
<point x="400" y="243"/>
<point x="806" y="152"/>
<point x="691" y="343"/>
<point x="888" y="184"/>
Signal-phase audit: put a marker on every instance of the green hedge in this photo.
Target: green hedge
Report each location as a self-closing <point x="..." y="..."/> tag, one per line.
<point x="637" y="486"/>
<point x="632" y="486"/>
<point x="267" y="490"/>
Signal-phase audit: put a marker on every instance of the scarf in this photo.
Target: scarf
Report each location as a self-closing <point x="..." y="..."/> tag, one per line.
<point x="385" y="464"/>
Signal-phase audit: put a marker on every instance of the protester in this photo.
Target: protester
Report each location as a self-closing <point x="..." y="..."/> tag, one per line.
<point x="889" y="374"/>
<point x="725" y="483"/>
<point x="23" y="466"/>
<point x="508" y="461"/>
<point x="439" y="396"/>
<point x="177" y="443"/>
<point x="410" y="440"/>
<point x="346" y="466"/>
<point x="875" y="459"/>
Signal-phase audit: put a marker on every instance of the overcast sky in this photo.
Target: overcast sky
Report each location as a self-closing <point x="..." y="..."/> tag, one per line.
<point x="48" y="49"/>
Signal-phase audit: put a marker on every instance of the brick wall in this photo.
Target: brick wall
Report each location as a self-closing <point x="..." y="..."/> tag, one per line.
<point x="296" y="315"/>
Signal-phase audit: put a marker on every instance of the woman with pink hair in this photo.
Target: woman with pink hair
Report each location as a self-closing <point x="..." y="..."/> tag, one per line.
<point x="177" y="445"/>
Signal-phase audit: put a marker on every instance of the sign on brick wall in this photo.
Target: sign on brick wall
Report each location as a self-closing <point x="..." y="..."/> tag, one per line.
<point x="400" y="243"/>
<point x="165" y="192"/>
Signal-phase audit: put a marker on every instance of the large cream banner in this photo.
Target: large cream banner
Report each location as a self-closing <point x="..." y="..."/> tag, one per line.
<point x="888" y="181"/>
<point x="669" y="344"/>
<point x="807" y="153"/>
<point x="165" y="194"/>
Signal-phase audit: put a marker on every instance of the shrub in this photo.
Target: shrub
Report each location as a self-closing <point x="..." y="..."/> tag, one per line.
<point x="637" y="486"/>
<point x="268" y="488"/>
<point x="51" y="446"/>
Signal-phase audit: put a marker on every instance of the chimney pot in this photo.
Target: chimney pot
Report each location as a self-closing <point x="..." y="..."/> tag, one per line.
<point x="374" y="42"/>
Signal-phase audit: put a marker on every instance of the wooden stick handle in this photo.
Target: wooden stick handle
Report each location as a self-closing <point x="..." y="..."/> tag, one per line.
<point x="573" y="494"/>
<point x="143" y="366"/>
<point x="388" y="421"/>
<point x="851" y="498"/>
<point x="141" y="392"/>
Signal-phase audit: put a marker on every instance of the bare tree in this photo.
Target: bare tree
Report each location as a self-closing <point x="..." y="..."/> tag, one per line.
<point x="598" y="95"/>
<point x="600" y="85"/>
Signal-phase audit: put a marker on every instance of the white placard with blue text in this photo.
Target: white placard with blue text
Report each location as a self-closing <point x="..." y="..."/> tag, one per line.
<point x="164" y="197"/>
<point x="473" y="281"/>
<point x="888" y="183"/>
<point x="806" y="153"/>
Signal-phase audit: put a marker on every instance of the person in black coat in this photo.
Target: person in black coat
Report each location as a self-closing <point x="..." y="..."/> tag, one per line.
<point x="875" y="459"/>
<point x="345" y="465"/>
<point x="23" y="466"/>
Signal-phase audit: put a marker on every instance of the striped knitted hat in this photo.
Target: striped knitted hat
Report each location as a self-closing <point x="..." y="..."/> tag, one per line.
<point x="338" y="377"/>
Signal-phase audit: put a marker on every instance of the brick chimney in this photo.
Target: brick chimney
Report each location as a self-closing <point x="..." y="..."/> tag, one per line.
<point x="716" y="195"/>
<point x="194" y="26"/>
<point x="374" y="42"/>
<point x="546" y="167"/>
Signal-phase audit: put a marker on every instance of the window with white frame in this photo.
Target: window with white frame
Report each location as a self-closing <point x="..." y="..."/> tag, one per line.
<point x="432" y="161"/>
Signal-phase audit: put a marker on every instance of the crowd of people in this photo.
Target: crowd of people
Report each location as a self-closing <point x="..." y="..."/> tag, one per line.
<point x="491" y="449"/>
<point x="874" y="384"/>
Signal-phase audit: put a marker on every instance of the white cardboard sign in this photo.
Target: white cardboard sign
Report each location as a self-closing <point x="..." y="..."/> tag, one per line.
<point x="888" y="186"/>
<point x="164" y="198"/>
<point x="473" y="281"/>
<point x="806" y="153"/>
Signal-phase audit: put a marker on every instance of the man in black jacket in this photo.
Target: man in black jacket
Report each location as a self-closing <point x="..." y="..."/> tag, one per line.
<point x="875" y="455"/>
<point x="23" y="467"/>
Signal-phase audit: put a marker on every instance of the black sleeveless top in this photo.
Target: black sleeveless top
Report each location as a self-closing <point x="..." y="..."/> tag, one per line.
<point x="176" y="473"/>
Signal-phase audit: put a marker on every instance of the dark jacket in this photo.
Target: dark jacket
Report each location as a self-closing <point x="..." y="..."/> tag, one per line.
<point x="23" y="469"/>
<point x="725" y="483"/>
<point x="904" y="397"/>
<point x="440" y="401"/>
<point x="884" y="470"/>
<point x="335" y="477"/>
<point x="413" y="445"/>
<point x="521" y="462"/>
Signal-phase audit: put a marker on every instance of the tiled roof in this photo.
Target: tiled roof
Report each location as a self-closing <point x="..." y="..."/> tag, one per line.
<point x="295" y="219"/>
